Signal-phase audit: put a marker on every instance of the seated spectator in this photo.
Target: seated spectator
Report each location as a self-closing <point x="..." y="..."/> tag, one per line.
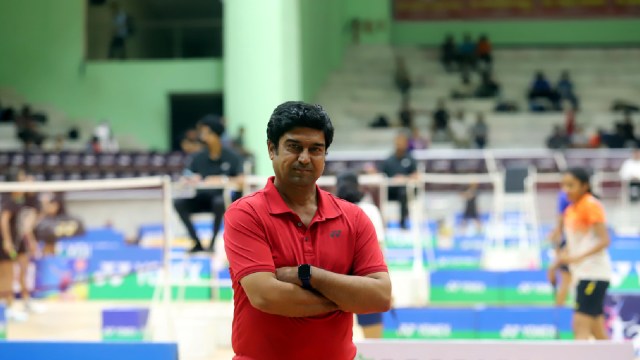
<point x="595" y="141"/>
<point x="630" y="172"/>
<point x="106" y="139"/>
<point x="402" y="78"/>
<point x="238" y="144"/>
<point x="381" y="121"/>
<point x="467" y="53"/>
<point x="190" y="144"/>
<point x="564" y="90"/>
<point x="483" y="51"/>
<point x="488" y="87"/>
<point x="480" y="132"/>
<point x="460" y="130"/>
<point x="406" y="115"/>
<point x="614" y="140"/>
<point x="440" y="124"/>
<point x="558" y="139"/>
<point x="579" y="140"/>
<point x="627" y="127"/>
<point x="541" y="89"/>
<point x="465" y="89"/>
<point x="417" y="141"/>
<point x="448" y="53"/>
<point x="94" y="145"/>
<point x="27" y="129"/>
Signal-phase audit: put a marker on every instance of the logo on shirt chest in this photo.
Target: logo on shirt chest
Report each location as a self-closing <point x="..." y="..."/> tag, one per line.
<point x="335" y="234"/>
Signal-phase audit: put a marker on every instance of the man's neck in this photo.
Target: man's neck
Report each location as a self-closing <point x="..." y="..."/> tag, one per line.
<point x="215" y="151"/>
<point x="297" y="196"/>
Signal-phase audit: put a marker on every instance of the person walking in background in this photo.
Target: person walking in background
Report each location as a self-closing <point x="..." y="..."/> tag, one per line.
<point x="213" y="166"/>
<point x="586" y="254"/>
<point x="121" y="31"/>
<point x="402" y="79"/>
<point x="302" y="261"/>
<point x="480" y="132"/>
<point x="448" y="53"/>
<point x="630" y="172"/>
<point x="400" y="165"/>
<point x="559" y="242"/>
<point x="348" y="189"/>
<point x="483" y="52"/>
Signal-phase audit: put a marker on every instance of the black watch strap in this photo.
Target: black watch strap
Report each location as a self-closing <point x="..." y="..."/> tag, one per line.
<point x="304" y="274"/>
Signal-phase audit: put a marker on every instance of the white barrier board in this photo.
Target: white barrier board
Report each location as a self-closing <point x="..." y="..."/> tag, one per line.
<point x="493" y="350"/>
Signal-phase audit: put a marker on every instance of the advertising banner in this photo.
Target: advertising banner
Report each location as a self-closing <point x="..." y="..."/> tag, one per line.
<point x="623" y="319"/>
<point x="454" y="287"/>
<point x="124" y="324"/>
<point x="426" y="323"/>
<point x="58" y="276"/>
<point x="626" y="271"/>
<point x="419" y="10"/>
<point x="524" y="323"/>
<point x="526" y="287"/>
<point x="458" y="259"/>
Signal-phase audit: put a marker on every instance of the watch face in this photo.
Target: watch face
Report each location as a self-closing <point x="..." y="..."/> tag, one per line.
<point x="304" y="271"/>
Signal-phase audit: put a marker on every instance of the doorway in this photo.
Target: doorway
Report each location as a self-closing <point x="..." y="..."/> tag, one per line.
<point x="187" y="109"/>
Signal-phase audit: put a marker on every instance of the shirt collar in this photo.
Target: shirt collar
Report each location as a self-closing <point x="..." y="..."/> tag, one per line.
<point x="327" y="207"/>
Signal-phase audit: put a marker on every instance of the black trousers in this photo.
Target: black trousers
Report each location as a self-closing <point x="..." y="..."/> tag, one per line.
<point x="204" y="201"/>
<point x="399" y="193"/>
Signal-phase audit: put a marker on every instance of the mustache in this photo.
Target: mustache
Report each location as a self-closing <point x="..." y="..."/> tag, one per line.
<point x="302" y="167"/>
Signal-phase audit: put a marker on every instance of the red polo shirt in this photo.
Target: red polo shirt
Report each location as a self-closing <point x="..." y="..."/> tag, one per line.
<point x="262" y="234"/>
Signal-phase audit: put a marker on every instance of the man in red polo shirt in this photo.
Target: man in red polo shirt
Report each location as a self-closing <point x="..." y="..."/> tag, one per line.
<point x="302" y="261"/>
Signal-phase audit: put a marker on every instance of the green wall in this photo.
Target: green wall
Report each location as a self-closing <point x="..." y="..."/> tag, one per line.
<point x="521" y="32"/>
<point x="324" y="36"/>
<point x="42" y="61"/>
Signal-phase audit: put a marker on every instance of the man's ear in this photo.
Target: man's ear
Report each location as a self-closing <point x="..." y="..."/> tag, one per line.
<point x="273" y="149"/>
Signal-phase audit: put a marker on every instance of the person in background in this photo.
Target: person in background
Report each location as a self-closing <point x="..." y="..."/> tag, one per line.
<point x="565" y="91"/>
<point x="614" y="139"/>
<point x="595" y="141"/>
<point x="465" y="89"/>
<point x="417" y="141"/>
<point x="400" y="165"/>
<point x="483" y="51"/>
<point x="630" y="172"/>
<point x="467" y="53"/>
<point x="406" y="115"/>
<point x="402" y="79"/>
<point x="558" y="139"/>
<point x="627" y="128"/>
<point x="122" y="30"/>
<point x="190" y="144"/>
<point x="381" y="121"/>
<point x="460" y="130"/>
<point x="541" y="89"/>
<point x="480" y="132"/>
<point x="559" y="242"/>
<point x="27" y="129"/>
<point x="470" y="213"/>
<point x="488" y="87"/>
<point x="302" y="261"/>
<point x="215" y="165"/>
<point x="440" y="123"/>
<point x="579" y="140"/>
<point x="104" y="134"/>
<point x="586" y="254"/>
<point x="448" y="53"/>
<point x="18" y="244"/>
<point x="348" y="189"/>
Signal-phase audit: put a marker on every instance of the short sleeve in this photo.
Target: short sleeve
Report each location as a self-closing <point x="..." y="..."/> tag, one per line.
<point x="245" y="242"/>
<point x="368" y="257"/>
<point x="594" y="212"/>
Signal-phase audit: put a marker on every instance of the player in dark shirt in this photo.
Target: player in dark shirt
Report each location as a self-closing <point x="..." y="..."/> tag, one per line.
<point x="213" y="166"/>
<point x="400" y="165"/>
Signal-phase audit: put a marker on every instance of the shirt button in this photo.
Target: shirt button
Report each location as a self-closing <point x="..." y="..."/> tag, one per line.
<point x="299" y="224"/>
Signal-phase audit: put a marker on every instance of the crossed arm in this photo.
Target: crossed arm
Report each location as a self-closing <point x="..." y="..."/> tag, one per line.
<point x="282" y="294"/>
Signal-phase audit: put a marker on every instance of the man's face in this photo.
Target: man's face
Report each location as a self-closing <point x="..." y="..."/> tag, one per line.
<point x="207" y="136"/>
<point x="298" y="158"/>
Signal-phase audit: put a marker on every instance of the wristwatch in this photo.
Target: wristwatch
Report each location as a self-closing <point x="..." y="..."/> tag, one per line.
<point x="304" y="274"/>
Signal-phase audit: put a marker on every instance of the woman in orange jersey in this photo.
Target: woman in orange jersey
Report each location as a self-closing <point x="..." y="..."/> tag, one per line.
<point x="586" y="254"/>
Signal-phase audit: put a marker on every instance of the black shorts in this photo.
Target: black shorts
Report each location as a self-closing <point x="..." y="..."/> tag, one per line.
<point x="21" y="248"/>
<point x="369" y="319"/>
<point x="590" y="296"/>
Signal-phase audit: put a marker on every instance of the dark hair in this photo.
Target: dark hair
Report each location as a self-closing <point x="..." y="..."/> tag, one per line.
<point x="583" y="175"/>
<point x="294" y="114"/>
<point x="213" y="122"/>
<point x="348" y="187"/>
